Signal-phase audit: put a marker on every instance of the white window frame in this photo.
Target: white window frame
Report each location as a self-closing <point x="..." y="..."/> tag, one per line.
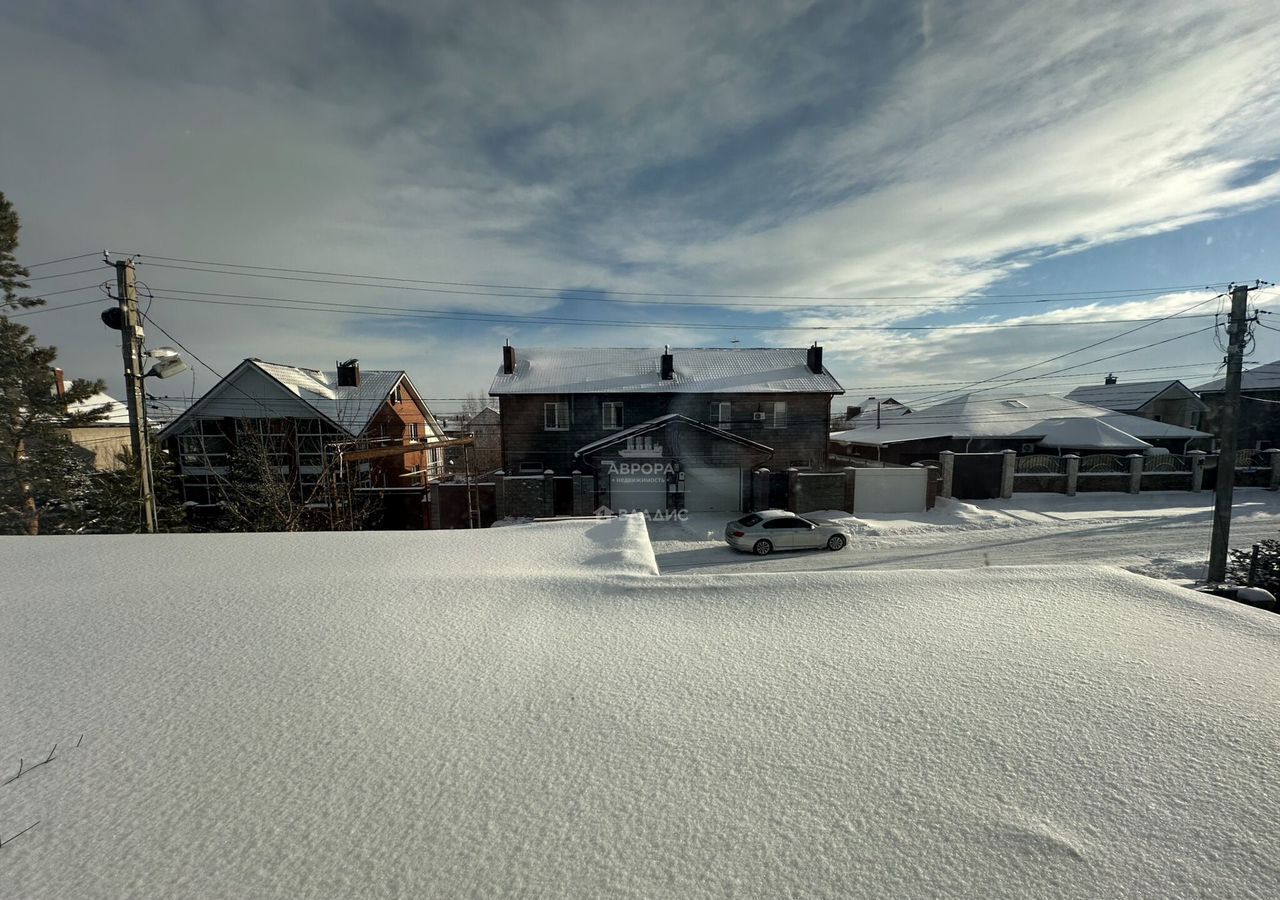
<point x="413" y="431"/>
<point x="557" y="410"/>
<point x="722" y="414"/>
<point x="397" y="396"/>
<point x="611" y="422"/>
<point x="778" y="416"/>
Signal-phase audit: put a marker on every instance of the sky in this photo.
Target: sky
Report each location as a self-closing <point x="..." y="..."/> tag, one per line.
<point x="606" y="166"/>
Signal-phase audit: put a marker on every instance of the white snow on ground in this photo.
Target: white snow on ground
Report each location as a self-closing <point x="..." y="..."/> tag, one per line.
<point x="532" y="711"/>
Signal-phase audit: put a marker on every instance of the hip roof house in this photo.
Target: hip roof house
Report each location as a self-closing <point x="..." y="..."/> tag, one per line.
<point x="1040" y="423"/>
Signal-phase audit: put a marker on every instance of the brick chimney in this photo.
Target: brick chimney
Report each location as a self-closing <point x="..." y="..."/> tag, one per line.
<point x="349" y="373"/>
<point x="814" y="359"/>
<point x="508" y="359"/>
<point x="1110" y="379"/>
<point x="668" y="364"/>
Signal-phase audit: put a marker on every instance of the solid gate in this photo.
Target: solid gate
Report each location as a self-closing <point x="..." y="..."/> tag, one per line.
<point x="977" y="476"/>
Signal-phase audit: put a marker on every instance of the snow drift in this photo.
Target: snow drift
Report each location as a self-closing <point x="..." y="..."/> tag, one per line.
<point x="533" y="711"/>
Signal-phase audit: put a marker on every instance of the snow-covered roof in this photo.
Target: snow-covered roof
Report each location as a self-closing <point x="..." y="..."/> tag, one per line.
<point x="1259" y="378"/>
<point x="1088" y="434"/>
<point x="611" y="370"/>
<point x="1133" y="396"/>
<point x="117" y="413"/>
<point x="534" y="710"/>
<point x="972" y="416"/>
<point x="349" y="407"/>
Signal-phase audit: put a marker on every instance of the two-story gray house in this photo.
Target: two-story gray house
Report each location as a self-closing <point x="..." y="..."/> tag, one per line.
<point x="663" y="428"/>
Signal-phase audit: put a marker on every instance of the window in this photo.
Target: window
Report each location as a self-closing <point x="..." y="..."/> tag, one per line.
<point x="205" y="446"/>
<point x="396" y="395"/>
<point x="555" y="416"/>
<point x="413" y="431"/>
<point x="778" y="417"/>
<point x="720" y="413"/>
<point x="789" y="522"/>
<point x="611" y="415"/>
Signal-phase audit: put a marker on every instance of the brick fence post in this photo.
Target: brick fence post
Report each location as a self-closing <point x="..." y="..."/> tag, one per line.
<point x="436" y="513"/>
<point x="548" y="494"/>
<point x="1008" y="467"/>
<point x="948" y="460"/>
<point x="499" y="495"/>
<point x="850" y="486"/>
<point x="793" y="489"/>
<point x="1197" y="469"/>
<point x="1135" y="473"/>
<point x="1073" y="473"/>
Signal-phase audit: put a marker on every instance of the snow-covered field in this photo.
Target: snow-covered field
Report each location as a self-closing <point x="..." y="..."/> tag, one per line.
<point x="534" y="711"/>
<point x="1164" y="535"/>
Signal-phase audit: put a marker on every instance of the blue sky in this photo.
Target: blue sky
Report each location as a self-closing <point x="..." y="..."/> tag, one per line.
<point x="833" y="150"/>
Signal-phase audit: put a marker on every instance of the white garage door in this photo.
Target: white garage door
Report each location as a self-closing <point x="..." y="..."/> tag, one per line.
<point x="638" y="493"/>
<point x="713" y="489"/>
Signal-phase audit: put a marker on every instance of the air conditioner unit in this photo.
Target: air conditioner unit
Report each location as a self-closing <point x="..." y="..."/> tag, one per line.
<point x="1028" y="448"/>
<point x="758" y="417"/>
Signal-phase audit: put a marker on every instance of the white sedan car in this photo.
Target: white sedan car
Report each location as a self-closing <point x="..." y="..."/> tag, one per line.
<point x="776" y="529"/>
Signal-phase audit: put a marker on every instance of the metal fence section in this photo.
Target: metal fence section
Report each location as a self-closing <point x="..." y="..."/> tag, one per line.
<point x="1040" y="464"/>
<point x="1252" y="459"/>
<point x="1166" y="462"/>
<point x="1104" y="464"/>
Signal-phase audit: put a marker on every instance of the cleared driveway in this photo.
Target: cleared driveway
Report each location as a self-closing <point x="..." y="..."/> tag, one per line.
<point x="1164" y="535"/>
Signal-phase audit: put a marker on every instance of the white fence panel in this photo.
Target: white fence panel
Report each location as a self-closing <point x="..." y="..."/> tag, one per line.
<point x="890" y="490"/>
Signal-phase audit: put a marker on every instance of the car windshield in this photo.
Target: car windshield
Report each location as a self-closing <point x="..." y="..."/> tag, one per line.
<point x="749" y="520"/>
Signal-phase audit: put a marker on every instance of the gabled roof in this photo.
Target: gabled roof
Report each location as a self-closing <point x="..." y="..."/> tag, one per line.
<point x="626" y="434"/>
<point x="604" y="370"/>
<point x="1026" y="418"/>
<point x="1133" y="396"/>
<point x="349" y="408"/>
<point x="1259" y="378"/>
<point x="1088" y="434"/>
<point x="115" y="412"/>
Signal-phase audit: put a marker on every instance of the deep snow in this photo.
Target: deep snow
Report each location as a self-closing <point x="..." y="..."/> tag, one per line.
<point x="533" y="711"/>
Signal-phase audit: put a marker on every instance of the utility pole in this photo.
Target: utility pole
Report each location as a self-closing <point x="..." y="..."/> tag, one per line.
<point x="131" y="352"/>
<point x="1237" y="332"/>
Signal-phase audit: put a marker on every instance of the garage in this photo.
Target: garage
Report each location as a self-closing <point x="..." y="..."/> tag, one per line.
<point x="638" y="492"/>
<point x="713" y="489"/>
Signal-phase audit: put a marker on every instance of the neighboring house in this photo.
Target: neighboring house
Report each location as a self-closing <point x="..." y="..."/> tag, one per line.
<point x="873" y="409"/>
<point x="103" y="441"/>
<point x="1027" y="425"/>
<point x="306" y="420"/>
<point x="485" y="428"/>
<point x="1161" y="401"/>
<point x="1258" y="423"/>
<point x="663" y="429"/>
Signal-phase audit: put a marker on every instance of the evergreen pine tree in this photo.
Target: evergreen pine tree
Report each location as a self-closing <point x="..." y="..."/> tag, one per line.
<point x="13" y="277"/>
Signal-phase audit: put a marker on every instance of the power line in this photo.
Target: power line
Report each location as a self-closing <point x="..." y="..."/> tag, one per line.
<point x="50" y="262"/>
<point x="1073" y="352"/>
<point x="352" y="309"/>
<point x="49" y="309"/>
<point x="65" y="274"/>
<point x="564" y="290"/>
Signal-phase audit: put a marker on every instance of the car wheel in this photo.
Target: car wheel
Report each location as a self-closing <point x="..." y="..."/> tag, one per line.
<point x="836" y="542"/>
<point x="762" y="548"/>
